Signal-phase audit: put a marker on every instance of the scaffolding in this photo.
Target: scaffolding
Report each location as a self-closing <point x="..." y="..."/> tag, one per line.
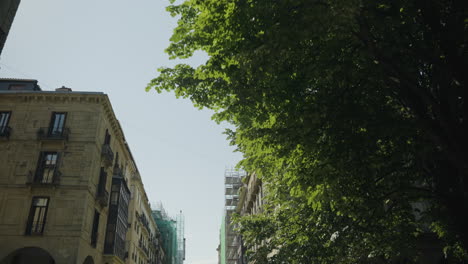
<point x="229" y="238"/>
<point x="172" y="234"/>
<point x="180" y="238"/>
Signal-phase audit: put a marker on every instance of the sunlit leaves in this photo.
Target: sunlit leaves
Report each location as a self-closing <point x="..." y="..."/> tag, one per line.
<point x="333" y="105"/>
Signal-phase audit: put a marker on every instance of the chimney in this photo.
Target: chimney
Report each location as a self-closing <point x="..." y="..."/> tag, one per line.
<point x="63" y="89"/>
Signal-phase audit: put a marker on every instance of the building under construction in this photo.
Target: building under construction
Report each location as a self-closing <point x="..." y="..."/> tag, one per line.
<point x="229" y="239"/>
<point x="172" y="235"/>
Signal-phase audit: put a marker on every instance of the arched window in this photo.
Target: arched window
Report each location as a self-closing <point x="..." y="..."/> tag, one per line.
<point x="28" y="255"/>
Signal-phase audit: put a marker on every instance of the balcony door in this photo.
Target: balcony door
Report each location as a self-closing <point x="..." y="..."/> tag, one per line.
<point x="4" y="118"/>
<point x="57" y="124"/>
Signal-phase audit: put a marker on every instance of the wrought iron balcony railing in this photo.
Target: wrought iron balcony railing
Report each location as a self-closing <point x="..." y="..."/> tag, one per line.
<point x="144" y="221"/>
<point x="54" y="134"/>
<point x="5" y="131"/>
<point x="142" y="246"/>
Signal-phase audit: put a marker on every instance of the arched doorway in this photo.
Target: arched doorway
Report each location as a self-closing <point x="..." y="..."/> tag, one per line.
<point x="28" y="255"/>
<point x="88" y="260"/>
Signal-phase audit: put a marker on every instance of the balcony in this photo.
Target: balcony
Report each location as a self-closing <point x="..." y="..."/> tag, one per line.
<point x="45" y="178"/>
<point x="154" y="240"/>
<point x="107" y="154"/>
<point x="142" y="246"/>
<point x="5" y="132"/>
<point x="45" y="133"/>
<point x="144" y="221"/>
<point x="102" y="197"/>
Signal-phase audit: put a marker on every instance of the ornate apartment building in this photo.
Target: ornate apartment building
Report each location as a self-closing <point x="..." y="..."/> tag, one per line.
<point x="144" y="239"/>
<point x="229" y="237"/>
<point x="250" y="202"/>
<point x="68" y="181"/>
<point x="244" y="194"/>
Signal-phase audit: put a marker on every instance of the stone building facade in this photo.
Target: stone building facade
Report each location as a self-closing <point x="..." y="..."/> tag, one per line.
<point x="144" y="238"/>
<point x="65" y="173"/>
<point x="229" y="242"/>
<point x="251" y="202"/>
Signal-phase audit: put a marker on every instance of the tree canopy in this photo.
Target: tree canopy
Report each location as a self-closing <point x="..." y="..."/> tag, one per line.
<point x="354" y="112"/>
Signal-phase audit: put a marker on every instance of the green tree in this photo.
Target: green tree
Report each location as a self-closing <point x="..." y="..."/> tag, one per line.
<point x="354" y="112"/>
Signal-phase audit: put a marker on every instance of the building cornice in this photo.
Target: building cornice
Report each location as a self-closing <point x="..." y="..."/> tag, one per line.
<point x="76" y="97"/>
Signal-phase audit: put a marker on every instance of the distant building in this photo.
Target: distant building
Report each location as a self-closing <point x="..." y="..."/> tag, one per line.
<point x="7" y="14"/>
<point x="144" y="238"/>
<point x="19" y="85"/>
<point x="229" y="238"/>
<point x="251" y="202"/>
<point x="244" y="196"/>
<point x="69" y="188"/>
<point x="172" y="235"/>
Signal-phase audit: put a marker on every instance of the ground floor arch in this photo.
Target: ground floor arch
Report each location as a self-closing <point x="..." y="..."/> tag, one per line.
<point x="28" y="255"/>
<point x="88" y="260"/>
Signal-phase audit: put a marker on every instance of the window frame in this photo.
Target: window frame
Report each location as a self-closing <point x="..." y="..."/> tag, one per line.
<point x="115" y="191"/>
<point x="102" y="182"/>
<point x="3" y="127"/>
<point x="59" y="130"/>
<point x="42" y="166"/>
<point x="32" y="215"/>
<point x="116" y="162"/>
<point x="95" y="229"/>
<point x="107" y="138"/>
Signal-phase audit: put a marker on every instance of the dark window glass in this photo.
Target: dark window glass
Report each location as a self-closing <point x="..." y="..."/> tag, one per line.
<point x="4" y="118"/>
<point x="110" y="234"/>
<point x="114" y="198"/>
<point x="57" y="124"/>
<point x="116" y="164"/>
<point x="37" y="215"/>
<point x="102" y="181"/>
<point x="115" y="187"/>
<point x="107" y="138"/>
<point x="94" y="232"/>
<point x="110" y="237"/>
<point x="46" y="168"/>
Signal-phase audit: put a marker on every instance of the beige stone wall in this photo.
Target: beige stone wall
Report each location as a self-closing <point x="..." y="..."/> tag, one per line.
<point x="133" y="235"/>
<point x="72" y="203"/>
<point x="252" y="199"/>
<point x="139" y="204"/>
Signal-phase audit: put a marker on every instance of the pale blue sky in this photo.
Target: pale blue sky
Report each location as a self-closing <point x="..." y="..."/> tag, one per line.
<point x="115" y="46"/>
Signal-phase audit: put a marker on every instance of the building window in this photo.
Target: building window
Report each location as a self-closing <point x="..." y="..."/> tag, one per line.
<point x="116" y="163"/>
<point x="107" y="138"/>
<point x="37" y="216"/>
<point x="46" y="167"/>
<point x="102" y="181"/>
<point x="115" y="194"/>
<point x="110" y="234"/>
<point x="4" y="119"/>
<point x="57" y="124"/>
<point x="94" y="232"/>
